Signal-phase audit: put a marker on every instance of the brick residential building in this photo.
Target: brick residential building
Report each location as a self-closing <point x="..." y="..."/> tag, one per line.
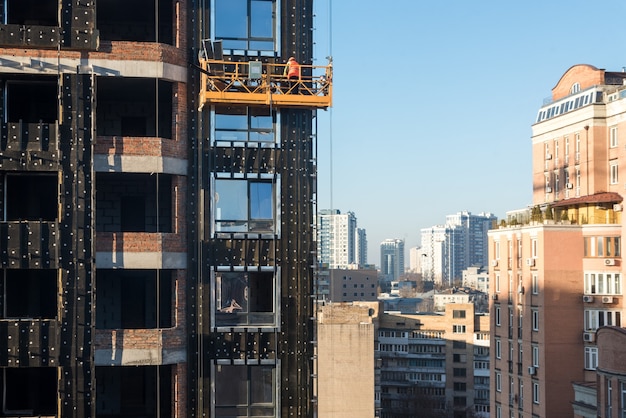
<point x="556" y="271"/>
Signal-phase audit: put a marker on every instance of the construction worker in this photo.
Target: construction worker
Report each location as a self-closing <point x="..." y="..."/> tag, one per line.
<point x="292" y="72"/>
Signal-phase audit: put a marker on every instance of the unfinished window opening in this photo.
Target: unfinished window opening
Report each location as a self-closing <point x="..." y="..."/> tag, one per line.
<point x="40" y="203"/>
<point x="137" y="23"/>
<point x="255" y="394"/>
<point x="134" y="107"/>
<point x="244" y="205"/>
<point x="137" y="391"/>
<point x="128" y="202"/>
<point x="32" y="12"/>
<point x="244" y="124"/>
<point x="32" y="101"/>
<point x="245" y="298"/>
<point x="29" y="293"/>
<point x="134" y="299"/>
<point x="29" y="391"/>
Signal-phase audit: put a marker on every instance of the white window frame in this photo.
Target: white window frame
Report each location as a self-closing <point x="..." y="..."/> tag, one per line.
<point x="497" y="314"/>
<point x="535" y="319"/>
<point x="498" y="348"/>
<point x="613" y="138"/>
<point x="498" y="382"/>
<point x="535" y="356"/>
<point x="591" y="358"/>
<point x="536" y="392"/>
<point x="535" y="284"/>
<point x="613" y="172"/>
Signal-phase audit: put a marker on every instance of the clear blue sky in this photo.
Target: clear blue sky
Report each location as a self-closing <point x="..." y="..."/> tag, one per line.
<point x="434" y="101"/>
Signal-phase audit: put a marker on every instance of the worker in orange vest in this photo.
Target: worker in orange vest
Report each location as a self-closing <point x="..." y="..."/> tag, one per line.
<point x="292" y="72"/>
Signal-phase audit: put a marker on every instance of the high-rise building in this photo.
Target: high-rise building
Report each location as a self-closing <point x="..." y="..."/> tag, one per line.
<point x="556" y="273"/>
<point x="361" y="247"/>
<point x="391" y="259"/>
<point x="451" y="248"/>
<point x="339" y="242"/>
<point x="157" y="189"/>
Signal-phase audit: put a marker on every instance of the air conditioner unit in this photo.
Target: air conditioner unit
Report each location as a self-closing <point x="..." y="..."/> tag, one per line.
<point x="532" y="370"/>
<point x="589" y="337"/>
<point x="587" y="298"/>
<point x="494" y="296"/>
<point x="530" y="262"/>
<point x="607" y="299"/>
<point x="609" y="261"/>
<point x="548" y="189"/>
<point x="494" y="263"/>
<point x="548" y="156"/>
<point x="569" y="185"/>
<point x="617" y="207"/>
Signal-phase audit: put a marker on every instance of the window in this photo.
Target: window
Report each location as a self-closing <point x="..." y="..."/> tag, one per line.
<point x="498" y="382"/>
<point x="459" y="358"/>
<point x="575" y="88"/>
<point x="245" y="24"/>
<point x="535" y="392"/>
<point x="623" y="398"/>
<point x="41" y="201"/>
<point x="602" y="246"/>
<point x="459" y="372"/>
<point x="460" y="386"/>
<point x="244" y="124"/>
<point x="533" y="248"/>
<point x="458" y="314"/>
<point x="613" y="166"/>
<point x="535" y="319"/>
<point x="595" y="318"/>
<point x="459" y="344"/>
<point x="244" y="206"/>
<point x="613" y="136"/>
<point x="497" y="316"/>
<point x="458" y="329"/>
<point x="30" y="391"/>
<point x="603" y="284"/>
<point x="591" y="358"/>
<point x="535" y="284"/>
<point x="255" y="394"/>
<point x="497" y="250"/>
<point x="498" y="349"/>
<point x="245" y="298"/>
<point x="29" y="293"/>
<point x="497" y="282"/>
<point x="535" y="356"/>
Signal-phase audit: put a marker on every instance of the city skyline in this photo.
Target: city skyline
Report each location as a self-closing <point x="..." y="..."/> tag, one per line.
<point x="481" y="64"/>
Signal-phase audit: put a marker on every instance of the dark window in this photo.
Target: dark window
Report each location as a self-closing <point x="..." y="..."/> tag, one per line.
<point x="29" y="391"/>
<point x="458" y="344"/>
<point x="30" y="294"/>
<point x="254" y="395"/>
<point x="459" y="372"/>
<point x="134" y="299"/>
<point x="40" y="203"/>
<point x="137" y="23"/>
<point x="458" y="314"/>
<point x="32" y="101"/>
<point x="244" y="206"/>
<point x="32" y="12"/>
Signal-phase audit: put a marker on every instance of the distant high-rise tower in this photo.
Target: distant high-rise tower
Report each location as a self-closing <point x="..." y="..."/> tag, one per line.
<point x="336" y="238"/>
<point x="451" y="248"/>
<point x="392" y="259"/>
<point x="361" y="247"/>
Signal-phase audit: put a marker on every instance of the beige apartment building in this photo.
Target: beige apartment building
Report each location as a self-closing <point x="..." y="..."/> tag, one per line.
<point x="433" y="363"/>
<point x="556" y="272"/>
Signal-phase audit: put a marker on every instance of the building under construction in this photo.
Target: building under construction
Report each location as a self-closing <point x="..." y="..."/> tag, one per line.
<point x="157" y="203"/>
